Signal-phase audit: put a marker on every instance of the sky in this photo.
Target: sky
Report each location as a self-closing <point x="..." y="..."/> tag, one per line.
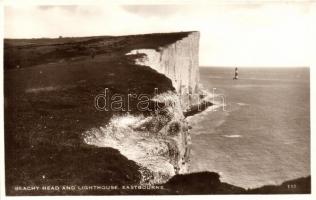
<point x="232" y="34"/>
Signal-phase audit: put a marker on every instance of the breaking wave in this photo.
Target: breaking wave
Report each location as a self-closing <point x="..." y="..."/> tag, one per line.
<point x="154" y="142"/>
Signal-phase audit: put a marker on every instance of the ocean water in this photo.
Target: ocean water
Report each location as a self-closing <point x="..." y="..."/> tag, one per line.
<point x="263" y="136"/>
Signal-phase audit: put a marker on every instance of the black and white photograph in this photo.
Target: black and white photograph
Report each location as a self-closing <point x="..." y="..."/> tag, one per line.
<point x="161" y="98"/>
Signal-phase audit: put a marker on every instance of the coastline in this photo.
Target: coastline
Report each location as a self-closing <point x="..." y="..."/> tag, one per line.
<point x="44" y="132"/>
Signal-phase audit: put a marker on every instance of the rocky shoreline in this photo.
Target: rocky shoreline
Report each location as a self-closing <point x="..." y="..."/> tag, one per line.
<point x="55" y="136"/>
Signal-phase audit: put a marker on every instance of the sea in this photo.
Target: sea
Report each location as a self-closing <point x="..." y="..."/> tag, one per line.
<point x="260" y="133"/>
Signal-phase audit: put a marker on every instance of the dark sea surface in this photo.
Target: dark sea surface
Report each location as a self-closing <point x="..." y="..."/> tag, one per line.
<point x="264" y="137"/>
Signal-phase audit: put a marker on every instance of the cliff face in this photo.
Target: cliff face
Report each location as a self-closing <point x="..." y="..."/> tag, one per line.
<point x="160" y="143"/>
<point x="179" y="61"/>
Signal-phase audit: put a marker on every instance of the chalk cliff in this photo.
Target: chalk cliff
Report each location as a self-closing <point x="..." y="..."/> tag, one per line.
<point x="160" y="143"/>
<point x="179" y="61"/>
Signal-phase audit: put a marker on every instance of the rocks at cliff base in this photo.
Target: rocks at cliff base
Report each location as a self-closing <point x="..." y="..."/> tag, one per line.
<point x="158" y="143"/>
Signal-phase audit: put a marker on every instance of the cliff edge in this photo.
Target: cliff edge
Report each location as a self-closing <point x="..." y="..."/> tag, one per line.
<point x="160" y="142"/>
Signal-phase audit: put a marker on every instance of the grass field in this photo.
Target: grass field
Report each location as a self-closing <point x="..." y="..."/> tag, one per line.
<point x="49" y="103"/>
